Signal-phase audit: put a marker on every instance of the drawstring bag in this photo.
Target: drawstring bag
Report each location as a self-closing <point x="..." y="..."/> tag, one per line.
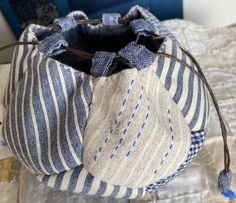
<point x="108" y="107"/>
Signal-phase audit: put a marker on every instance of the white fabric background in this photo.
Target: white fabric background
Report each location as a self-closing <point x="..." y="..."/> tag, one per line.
<point x="4" y="75"/>
<point x="210" y="12"/>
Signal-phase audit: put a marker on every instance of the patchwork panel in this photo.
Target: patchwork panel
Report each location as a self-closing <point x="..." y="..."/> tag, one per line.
<point x="133" y="134"/>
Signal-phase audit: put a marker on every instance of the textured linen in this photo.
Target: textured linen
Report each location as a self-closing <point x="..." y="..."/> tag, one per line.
<point x="164" y="139"/>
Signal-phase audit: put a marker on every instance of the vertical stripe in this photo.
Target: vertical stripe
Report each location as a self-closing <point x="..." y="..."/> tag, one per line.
<point x="52" y="180"/>
<point x="88" y="183"/>
<point x="128" y="193"/>
<point x="134" y="193"/>
<point x="76" y="120"/>
<point x="34" y="122"/>
<point x="102" y="188"/>
<point x="141" y="192"/>
<point x="73" y="125"/>
<point x="121" y="192"/>
<point x="175" y="81"/>
<point x="61" y="100"/>
<point x="18" y="109"/>
<point x="16" y="113"/>
<point x="9" y="90"/>
<point x="161" y="59"/>
<point x="167" y="62"/>
<point x="39" y="117"/>
<point x="180" y="80"/>
<point x="47" y="130"/>
<point x="186" y="76"/>
<point x="168" y="80"/>
<point x="79" y="104"/>
<point x="94" y="187"/>
<point x="160" y="65"/>
<point x="51" y="114"/>
<point x="74" y="178"/>
<point x="61" y="158"/>
<point x="115" y="191"/>
<point x="66" y="180"/>
<point x="22" y="129"/>
<point x="45" y="179"/>
<point x="204" y="120"/>
<point x="109" y="190"/>
<point x="188" y="101"/>
<point x="8" y="131"/>
<point x="202" y="108"/>
<point x="208" y="107"/>
<point x="58" y="180"/>
<point x="71" y="148"/>
<point x="81" y="180"/>
<point x="193" y="103"/>
<point x="83" y="91"/>
<point x="197" y="107"/>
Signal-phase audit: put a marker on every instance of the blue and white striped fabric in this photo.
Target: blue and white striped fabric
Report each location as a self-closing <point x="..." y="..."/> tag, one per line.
<point x="186" y="89"/>
<point x="79" y="180"/>
<point x="46" y="98"/>
<point x="49" y="102"/>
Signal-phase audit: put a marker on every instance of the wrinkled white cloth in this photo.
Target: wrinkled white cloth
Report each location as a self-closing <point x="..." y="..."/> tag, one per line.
<point x="4" y="76"/>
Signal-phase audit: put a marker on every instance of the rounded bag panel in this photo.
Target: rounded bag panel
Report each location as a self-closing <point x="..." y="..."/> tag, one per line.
<point x="47" y="114"/>
<point x="135" y="133"/>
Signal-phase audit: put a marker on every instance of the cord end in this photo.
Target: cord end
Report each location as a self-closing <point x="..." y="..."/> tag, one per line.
<point x="224" y="182"/>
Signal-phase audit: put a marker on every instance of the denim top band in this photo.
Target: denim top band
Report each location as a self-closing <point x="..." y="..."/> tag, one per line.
<point x="134" y="54"/>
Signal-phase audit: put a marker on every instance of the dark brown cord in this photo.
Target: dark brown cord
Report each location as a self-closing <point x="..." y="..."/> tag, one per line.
<point x="15" y="44"/>
<point x="199" y="73"/>
<point x="99" y="21"/>
<point x="91" y="22"/>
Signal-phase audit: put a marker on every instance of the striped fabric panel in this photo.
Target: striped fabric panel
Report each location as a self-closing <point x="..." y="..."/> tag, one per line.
<point x="186" y="89"/>
<point x="52" y="100"/>
<point x="79" y="180"/>
<point x="19" y="64"/>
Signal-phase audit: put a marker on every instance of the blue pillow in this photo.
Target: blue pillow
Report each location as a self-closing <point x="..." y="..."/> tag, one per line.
<point x="20" y="13"/>
<point x="162" y="9"/>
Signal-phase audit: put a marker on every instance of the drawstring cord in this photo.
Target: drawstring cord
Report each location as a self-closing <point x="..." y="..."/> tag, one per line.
<point x="224" y="179"/>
